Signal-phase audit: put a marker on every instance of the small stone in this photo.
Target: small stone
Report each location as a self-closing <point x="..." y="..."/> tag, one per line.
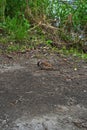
<point x="84" y="91"/>
<point x="4" y="122"/>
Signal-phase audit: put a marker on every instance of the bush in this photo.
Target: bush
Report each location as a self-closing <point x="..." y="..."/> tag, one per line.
<point x="17" y="28"/>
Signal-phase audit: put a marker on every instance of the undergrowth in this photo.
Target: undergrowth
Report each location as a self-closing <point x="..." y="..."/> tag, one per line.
<point x="30" y="23"/>
<point x="71" y="52"/>
<point x="16" y="28"/>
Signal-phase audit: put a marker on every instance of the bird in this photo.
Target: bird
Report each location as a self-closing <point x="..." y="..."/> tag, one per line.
<point x="45" y="65"/>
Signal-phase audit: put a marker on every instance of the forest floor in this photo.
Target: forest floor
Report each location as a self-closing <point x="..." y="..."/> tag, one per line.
<point x="34" y="99"/>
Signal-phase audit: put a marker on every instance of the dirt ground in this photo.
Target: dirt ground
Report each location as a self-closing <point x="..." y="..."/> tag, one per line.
<point x="34" y="99"/>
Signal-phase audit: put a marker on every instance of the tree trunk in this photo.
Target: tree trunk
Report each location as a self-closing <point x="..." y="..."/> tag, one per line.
<point x="2" y="10"/>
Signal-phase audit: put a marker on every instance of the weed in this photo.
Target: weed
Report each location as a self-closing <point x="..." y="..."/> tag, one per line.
<point x="49" y="42"/>
<point x="12" y="48"/>
<point x="17" y="29"/>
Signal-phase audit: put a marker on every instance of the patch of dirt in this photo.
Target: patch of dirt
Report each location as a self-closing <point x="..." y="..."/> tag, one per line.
<point x="34" y="99"/>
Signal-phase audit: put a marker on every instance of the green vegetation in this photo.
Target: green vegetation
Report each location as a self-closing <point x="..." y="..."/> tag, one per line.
<point x="25" y="24"/>
<point x="17" y="29"/>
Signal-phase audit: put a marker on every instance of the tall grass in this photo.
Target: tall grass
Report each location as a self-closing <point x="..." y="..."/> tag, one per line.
<point x="17" y="28"/>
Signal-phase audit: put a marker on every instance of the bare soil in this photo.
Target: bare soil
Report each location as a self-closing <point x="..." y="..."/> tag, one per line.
<point x="34" y="99"/>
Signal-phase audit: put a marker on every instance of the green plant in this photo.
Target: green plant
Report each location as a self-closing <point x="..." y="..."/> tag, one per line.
<point x="74" y="52"/>
<point x="80" y="14"/>
<point x="13" y="47"/>
<point x="14" y="7"/>
<point x="17" y="28"/>
<point x="49" y="42"/>
<point x="39" y="15"/>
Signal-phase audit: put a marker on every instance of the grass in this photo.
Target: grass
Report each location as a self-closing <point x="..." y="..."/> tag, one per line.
<point x="70" y="52"/>
<point x="33" y="41"/>
<point x="17" y="37"/>
<point x="15" y="28"/>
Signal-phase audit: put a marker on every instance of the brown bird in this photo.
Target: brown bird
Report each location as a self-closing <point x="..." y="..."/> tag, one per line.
<point x="45" y="65"/>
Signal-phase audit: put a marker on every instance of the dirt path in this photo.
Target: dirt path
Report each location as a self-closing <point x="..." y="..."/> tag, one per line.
<point x="33" y="99"/>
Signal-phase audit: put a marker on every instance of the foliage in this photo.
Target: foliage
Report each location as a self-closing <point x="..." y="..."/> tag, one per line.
<point x="62" y="9"/>
<point x="49" y="9"/>
<point x="40" y="11"/>
<point x="48" y="42"/>
<point x="14" y="7"/>
<point x="80" y="14"/>
<point x="72" y="51"/>
<point x="21" y="17"/>
<point x="17" y="28"/>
